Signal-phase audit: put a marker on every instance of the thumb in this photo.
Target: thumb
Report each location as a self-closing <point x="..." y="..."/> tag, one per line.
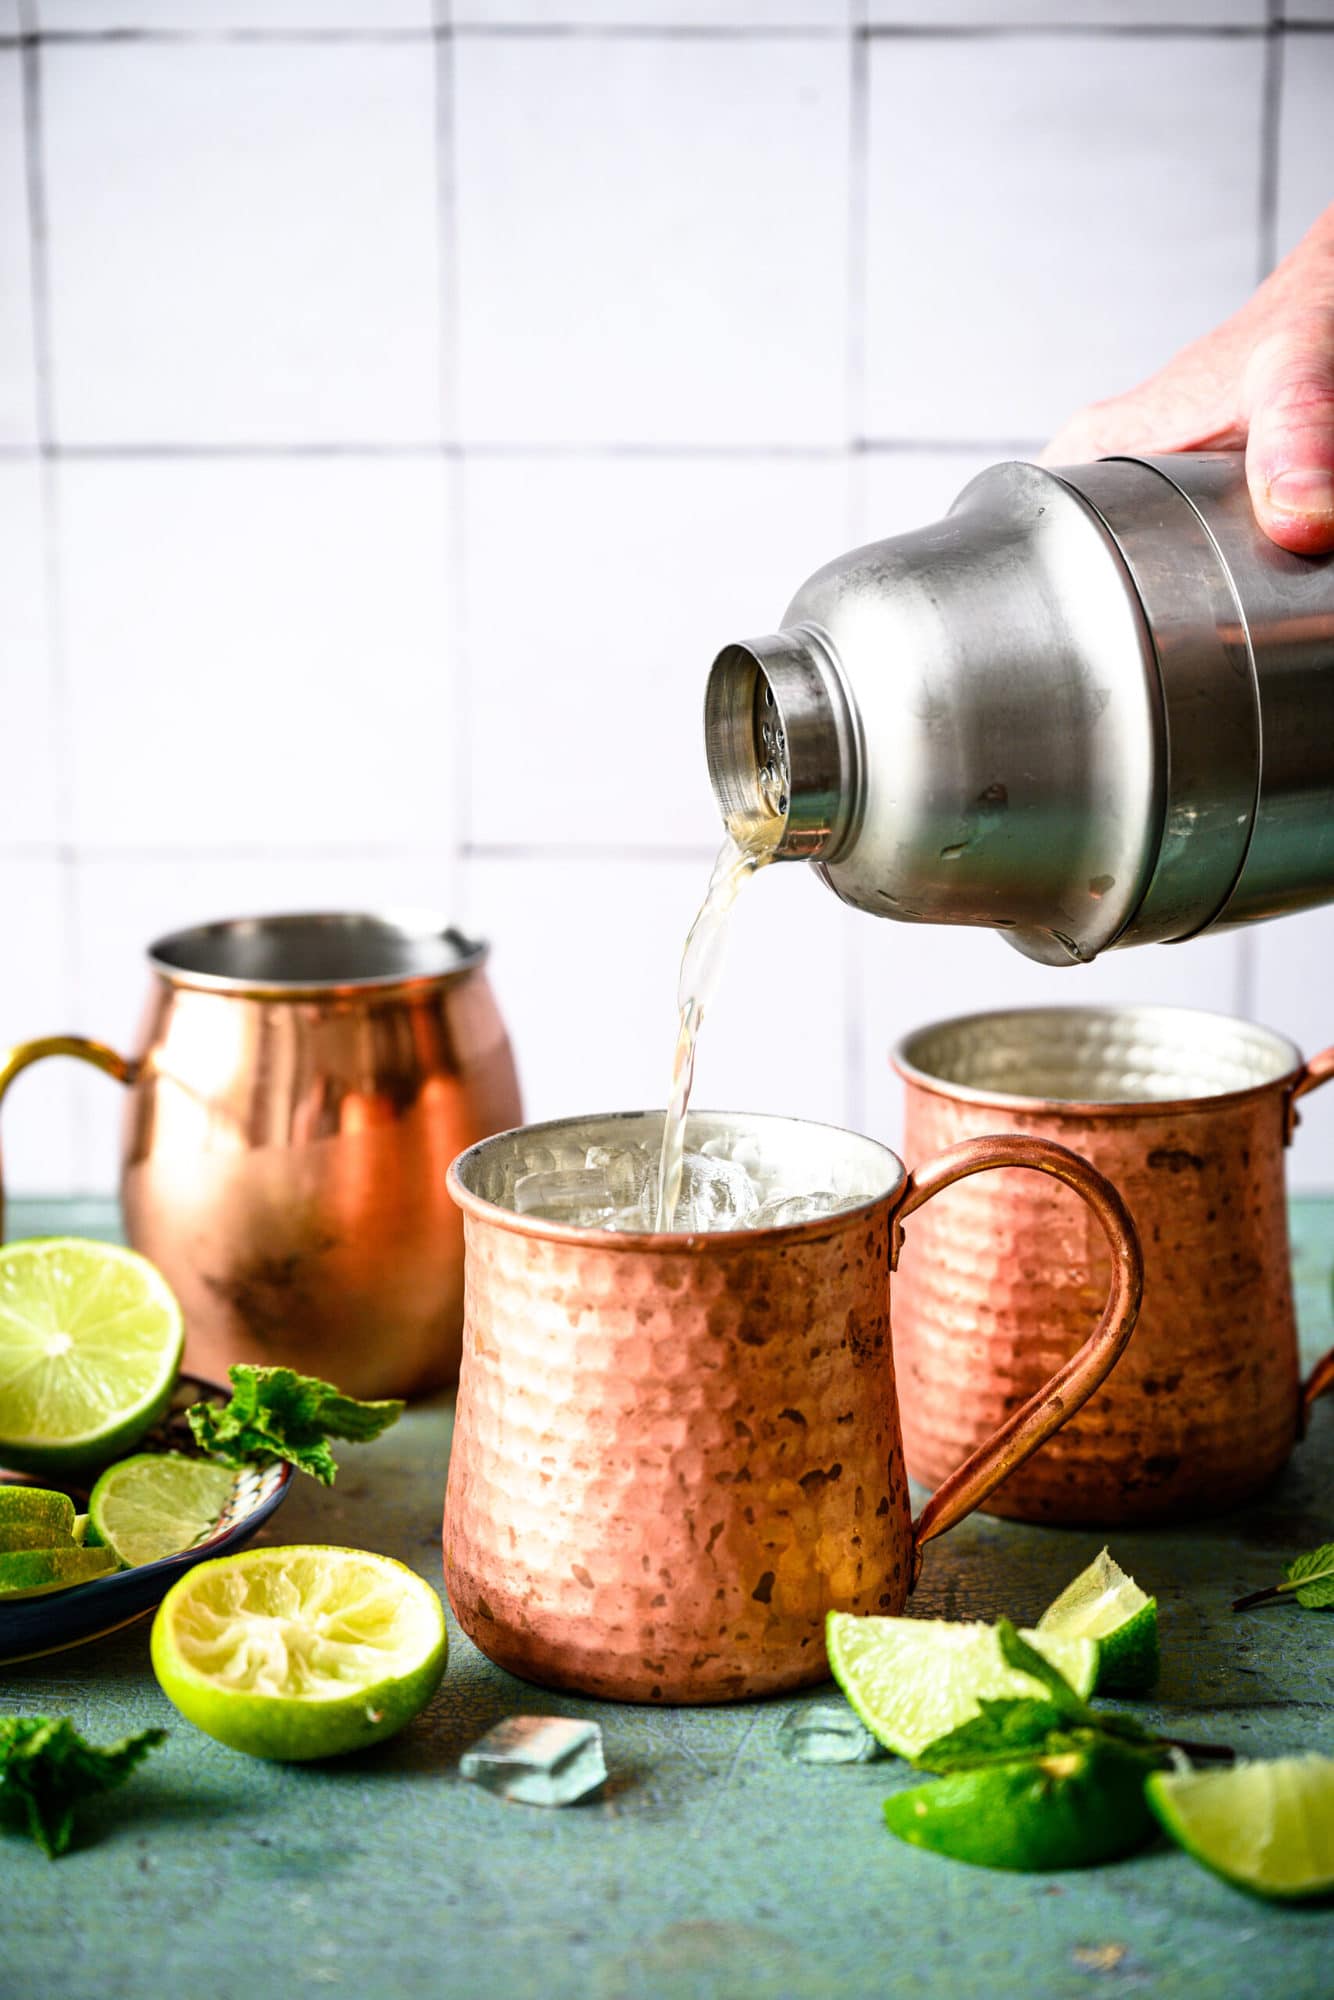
<point x="1289" y="393"/>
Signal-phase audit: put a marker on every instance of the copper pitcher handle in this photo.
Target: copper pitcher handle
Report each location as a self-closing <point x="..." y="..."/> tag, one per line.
<point x="1310" y="1077"/>
<point x="1074" y="1382"/>
<point x="14" y="1061"/>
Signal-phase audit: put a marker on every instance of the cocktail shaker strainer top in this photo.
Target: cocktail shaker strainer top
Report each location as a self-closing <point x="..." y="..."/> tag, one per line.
<point x="1090" y="707"/>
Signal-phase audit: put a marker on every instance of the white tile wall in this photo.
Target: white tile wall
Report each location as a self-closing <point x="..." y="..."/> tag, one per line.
<point x="436" y="389"/>
<point x="1075" y="13"/>
<point x="29" y="790"/>
<point x="18" y="410"/>
<point x="1048" y="220"/>
<point x="706" y="302"/>
<point x="598" y="592"/>
<point x="585" y="969"/>
<point x="258" y="651"/>
<point x="649" y="14"/>
<point x="1306" y="134"/>
<point x="36" y="998"/>
<point x="243" y="242"/>
<point x="203" y="16"/>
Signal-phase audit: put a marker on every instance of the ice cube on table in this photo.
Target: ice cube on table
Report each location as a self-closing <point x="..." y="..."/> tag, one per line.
<point x="537" y="1760"/>
<point x="826" y="1732"/>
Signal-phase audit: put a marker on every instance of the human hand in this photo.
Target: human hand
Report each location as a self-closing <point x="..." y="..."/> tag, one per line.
<point x="1265" y="380"/>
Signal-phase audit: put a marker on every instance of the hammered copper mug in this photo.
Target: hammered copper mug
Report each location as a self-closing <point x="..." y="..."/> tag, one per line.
<point x="297" y="1090"/>
<point x="1189" y="1114"/>
<point x="673" y="1454"/>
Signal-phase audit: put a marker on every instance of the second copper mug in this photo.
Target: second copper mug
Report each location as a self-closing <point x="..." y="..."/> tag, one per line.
<point x="673" y="1454"/>
<point x="1189" y="1113"/>
<point x="297" y="1090"/>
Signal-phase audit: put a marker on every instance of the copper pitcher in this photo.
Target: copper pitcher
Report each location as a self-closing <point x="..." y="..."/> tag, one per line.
<point x="673" y="1453"/>
<point x="297" y="1090"/>
<point x="1189" y="1114"/>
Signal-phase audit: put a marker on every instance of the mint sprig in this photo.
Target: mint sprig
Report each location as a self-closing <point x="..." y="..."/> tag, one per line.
<point x="1027" y="1728"/>
<point x="47" y="1770"/>
<point x="277" y="1413"/>
<point x="1308" y="1578"/>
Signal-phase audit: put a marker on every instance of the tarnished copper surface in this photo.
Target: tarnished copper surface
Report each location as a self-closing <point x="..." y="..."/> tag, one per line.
<point x="284" y="1162"/>
<point x="997" y="1284"/>
<point x="674" y="1454"/>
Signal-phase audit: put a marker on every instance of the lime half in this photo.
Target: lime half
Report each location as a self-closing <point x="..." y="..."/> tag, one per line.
<point x="158" y="1504"/>
<point x="36" y="1572"/>
<point x="912" y="1680"/>
<point x="299" y="1653"/>
<point x="1069" y="1810"/>
<point x="1266" y="1827"/>
<point x="90" y="1342"/>
<point x="1105" y="1604"/>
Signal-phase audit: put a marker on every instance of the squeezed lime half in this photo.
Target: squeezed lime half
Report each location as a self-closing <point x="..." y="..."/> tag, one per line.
<point x="299" y="1653"/>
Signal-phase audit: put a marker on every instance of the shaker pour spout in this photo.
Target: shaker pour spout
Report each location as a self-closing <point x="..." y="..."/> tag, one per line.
<point x="782" y="742"/>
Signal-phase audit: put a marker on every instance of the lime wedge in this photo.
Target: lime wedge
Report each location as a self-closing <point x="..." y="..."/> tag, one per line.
<point x="157" y="1504"/>
<point x="31" y="1535"/>
<point x="35" y="1572"/>
<point x="37" y="1507"/>
<point x="299" y="1653"/>
<point x="1070" y="1810"/>
<point x="90" y="1342"/>
<point x="912" y="1680"/>
<point x="1266" y="1827"/>
<point x="1105" y="1604"/>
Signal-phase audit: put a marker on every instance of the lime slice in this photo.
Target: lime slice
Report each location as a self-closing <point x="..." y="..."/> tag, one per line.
<point x="35" y="1572"/>
<point x="299" y="1653"/>
<point x="1105" y="1604"/>
<point x="157" y="1504"/>
<point x="1070" y="1810"/>
<point x="90" y="1342"/>
<point x="32" y="1535"/>
<point x="1266" y="1827"/>
<point x="914" y="1679"/>
<point x="37" y="1507"/>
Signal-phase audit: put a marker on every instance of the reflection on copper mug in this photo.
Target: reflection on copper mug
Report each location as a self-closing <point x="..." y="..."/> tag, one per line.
<point x="1189" y="1114"/>
<point x="673" y="1454"/>
<point x="298" y="1088"/>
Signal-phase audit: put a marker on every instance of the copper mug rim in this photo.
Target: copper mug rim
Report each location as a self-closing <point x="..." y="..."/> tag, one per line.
<point x="329" y="952"/>
<point x="473" y="1203"/>
<point x="912" y="1060"/>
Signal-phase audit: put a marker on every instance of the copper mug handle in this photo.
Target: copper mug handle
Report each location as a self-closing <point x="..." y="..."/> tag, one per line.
<point x="1308" y="1078"/>
<point x="14" y="1061"/>
<point x="1075" y="1381"/>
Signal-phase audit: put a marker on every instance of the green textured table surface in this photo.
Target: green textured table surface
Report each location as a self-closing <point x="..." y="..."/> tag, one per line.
<point x="709" y="1868"/>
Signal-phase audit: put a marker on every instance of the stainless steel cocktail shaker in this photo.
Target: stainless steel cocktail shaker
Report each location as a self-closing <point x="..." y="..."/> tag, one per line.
<point x="1090" y="707"/>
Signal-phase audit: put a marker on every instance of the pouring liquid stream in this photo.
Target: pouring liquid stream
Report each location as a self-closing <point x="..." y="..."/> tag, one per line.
<point x="748" y="845"/>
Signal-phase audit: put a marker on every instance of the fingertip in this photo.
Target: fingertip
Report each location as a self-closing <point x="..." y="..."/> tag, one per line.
<point x="1296" y="510"/>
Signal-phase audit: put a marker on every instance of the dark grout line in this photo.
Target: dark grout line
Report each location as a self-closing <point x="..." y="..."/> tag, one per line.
<point x="1271" y="119"/>
<point x="201" y="452"/>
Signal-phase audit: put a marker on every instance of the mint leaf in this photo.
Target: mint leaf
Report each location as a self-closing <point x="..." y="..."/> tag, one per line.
<point x="46" y="1769"/>
<point x="276" y="1413"/>
<point x="1017" y="1653"/>
<point x="1002" y="1733"/>
<point x="1314" y="1576"/>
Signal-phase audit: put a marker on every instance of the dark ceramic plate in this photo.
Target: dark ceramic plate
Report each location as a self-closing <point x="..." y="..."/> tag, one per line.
<point x="36" y="1625"/>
